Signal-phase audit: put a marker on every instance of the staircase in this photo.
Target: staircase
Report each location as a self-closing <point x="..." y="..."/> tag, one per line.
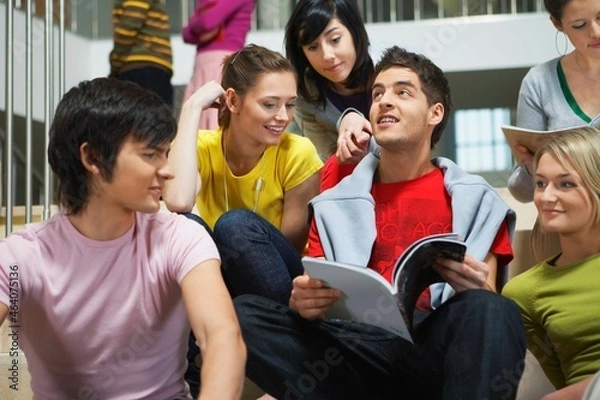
<point x="14" y="376"/>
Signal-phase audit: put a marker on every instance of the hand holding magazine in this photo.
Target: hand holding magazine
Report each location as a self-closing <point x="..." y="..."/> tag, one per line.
<point x="532" y="139"/>
<point x="368" y="297"/>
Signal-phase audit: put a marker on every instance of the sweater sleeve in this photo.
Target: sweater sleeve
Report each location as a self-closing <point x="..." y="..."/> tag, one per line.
<point x="210" y="15"/>
<point x="129" y="23"/>
<point x="324" y="137"/>
<point x="521" y="185"/>
<point x="530" y="115"/>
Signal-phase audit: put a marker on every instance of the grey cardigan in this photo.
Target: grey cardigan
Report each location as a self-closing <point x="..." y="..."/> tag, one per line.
<point x="318" y="123"/>
<point x="542" y="106"/>
<point x="345" y="216"/>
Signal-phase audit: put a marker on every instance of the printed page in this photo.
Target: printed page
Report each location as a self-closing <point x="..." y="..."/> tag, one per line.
<point x="367" y="297"/>
<point x="414" y="270"/>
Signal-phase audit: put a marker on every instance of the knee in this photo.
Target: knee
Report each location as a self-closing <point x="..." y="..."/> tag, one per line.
<point x="245" y="307"/>
<point x="232" y="224"/>
<point x="490" y="305"/>
<point x="254" y="311"/>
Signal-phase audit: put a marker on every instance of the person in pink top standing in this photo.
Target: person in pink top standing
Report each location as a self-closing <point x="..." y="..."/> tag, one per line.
<point x="217" y="28"/>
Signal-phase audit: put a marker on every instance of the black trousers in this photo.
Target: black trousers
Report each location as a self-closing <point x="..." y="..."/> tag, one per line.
<point x="470" y="348"/>
<point x="154" y="79"/>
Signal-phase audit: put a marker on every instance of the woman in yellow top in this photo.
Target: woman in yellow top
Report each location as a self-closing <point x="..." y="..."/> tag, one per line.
<point x="559" y="297"/>
<point x="250" y="179"/>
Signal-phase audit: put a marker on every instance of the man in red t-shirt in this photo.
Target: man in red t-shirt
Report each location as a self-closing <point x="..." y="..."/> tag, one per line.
<point x="471" y="345"/>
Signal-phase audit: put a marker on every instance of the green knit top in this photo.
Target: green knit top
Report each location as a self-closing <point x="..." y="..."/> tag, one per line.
<point x="560" y="307"/>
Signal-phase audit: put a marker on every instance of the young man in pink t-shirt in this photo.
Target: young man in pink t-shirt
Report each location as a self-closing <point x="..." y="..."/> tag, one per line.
<point x="101" y="296"/>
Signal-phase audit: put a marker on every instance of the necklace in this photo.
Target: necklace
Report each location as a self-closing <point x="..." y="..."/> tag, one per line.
<point x="258" y="186"/>
<point x="582" y="74"/>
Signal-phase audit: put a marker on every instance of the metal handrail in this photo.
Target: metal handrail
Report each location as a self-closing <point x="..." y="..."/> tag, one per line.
<point x="277" y="12"/>
<point x="37" y="178"/>
<point x="96" y="11"/>
<point x="9" y="152"/>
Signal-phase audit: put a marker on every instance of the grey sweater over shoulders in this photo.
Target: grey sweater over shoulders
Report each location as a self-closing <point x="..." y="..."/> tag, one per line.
<point x="345" y="217"/>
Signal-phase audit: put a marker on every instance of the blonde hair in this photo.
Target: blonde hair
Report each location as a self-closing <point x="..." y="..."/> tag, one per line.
<point x="579" y="150"/>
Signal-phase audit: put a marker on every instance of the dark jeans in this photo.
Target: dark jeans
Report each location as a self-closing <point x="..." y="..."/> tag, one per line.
<point x="154" y="79"/>
<point x="255" y="256"/>
<point x="470" y="348"/>
<point x="255" y="259"/>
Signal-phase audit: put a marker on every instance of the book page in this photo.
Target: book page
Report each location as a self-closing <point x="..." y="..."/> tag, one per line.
<point x="532" y="140"/>
<point x="414" y="270"/>
<point x="367" y="297"/>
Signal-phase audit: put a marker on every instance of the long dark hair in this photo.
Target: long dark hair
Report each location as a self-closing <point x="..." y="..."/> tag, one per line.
<point x="307" y="22"/>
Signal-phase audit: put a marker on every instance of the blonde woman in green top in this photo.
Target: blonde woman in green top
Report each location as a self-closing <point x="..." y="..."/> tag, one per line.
<point x="559" y="297"/>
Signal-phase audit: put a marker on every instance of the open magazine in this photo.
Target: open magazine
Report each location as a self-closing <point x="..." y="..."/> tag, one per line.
<point x="368" y="297"/>
<point x="533" y="139"/>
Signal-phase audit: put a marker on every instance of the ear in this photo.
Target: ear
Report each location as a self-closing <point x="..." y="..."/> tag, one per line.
<point x="557" y="24"/>
<point x="436" y="114"/>
<point x="88" y="159"/>
<point x="232" y="101"/>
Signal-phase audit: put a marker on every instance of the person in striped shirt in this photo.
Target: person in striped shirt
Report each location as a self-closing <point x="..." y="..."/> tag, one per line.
<point x="142" y="46"/>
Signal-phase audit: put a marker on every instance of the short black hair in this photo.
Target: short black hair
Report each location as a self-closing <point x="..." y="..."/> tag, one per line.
<point x="432" y="79"/>
<point x="308" y="20"/>
<point x="103" y="113"/>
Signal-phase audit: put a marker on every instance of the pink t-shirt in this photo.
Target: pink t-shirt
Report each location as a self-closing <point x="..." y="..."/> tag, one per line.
<point x="102" y="320"/>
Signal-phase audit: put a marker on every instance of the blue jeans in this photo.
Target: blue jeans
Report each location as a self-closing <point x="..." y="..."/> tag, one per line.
<point x="255" y="259"/>
<point x="255" y="256"/>
<point x="470" y="348"/>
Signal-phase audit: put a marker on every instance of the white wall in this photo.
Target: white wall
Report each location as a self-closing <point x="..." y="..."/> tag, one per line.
<point x="455" y="44"/>
<point x="460" y="44"/>
<point x="79" y="57"/>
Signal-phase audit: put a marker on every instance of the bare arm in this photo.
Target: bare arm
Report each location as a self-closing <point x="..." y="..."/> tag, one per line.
<point x="294" y="223"/>
<point x="215" y="325"/>
<point x="530" y="115"/>
<point x="470" y="274"/>
<point x="571" y="392"/>
<point x="181" y="192"/>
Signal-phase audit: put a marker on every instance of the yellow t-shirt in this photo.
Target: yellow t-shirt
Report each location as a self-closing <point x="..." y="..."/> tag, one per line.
<point x="282" y="167"/>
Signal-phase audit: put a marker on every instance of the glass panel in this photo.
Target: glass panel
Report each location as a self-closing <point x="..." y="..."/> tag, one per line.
<point x="273" y="14"/>
<point x="92" y="18"/>
<point x="480" y="144"/>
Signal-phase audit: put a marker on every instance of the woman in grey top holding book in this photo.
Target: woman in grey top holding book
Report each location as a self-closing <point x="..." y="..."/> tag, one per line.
<point x="560" y="93"/>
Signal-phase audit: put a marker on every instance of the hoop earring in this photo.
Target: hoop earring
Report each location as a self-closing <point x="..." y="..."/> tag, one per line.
<point x="556" y="43"/>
